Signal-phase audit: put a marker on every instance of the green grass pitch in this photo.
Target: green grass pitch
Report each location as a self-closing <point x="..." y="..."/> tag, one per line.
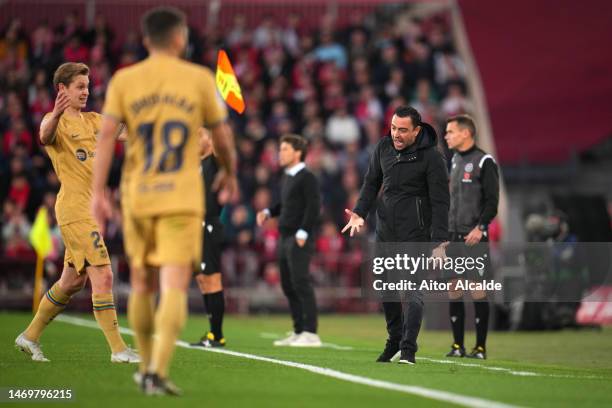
<point x="552" y="369"/>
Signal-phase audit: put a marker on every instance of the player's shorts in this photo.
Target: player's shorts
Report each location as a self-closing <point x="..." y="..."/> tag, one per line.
<point x="212" y="247"/>
<point x="173" y="239"/>
<point x="458" y="249"/>
<point x="84" y="245"/>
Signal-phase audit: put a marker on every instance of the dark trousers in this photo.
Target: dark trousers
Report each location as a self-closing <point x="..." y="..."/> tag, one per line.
<point x="297" y="283"/>
<point x="404" y="321"/>
<point x="404" y="318"/>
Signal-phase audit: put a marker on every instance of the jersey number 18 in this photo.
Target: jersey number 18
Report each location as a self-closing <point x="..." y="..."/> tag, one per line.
<point x="172" y="157"/>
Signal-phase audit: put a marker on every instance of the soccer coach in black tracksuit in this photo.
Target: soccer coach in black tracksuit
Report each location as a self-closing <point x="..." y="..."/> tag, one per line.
<point x="413" y="208"/>
<point x="298" y="212"/>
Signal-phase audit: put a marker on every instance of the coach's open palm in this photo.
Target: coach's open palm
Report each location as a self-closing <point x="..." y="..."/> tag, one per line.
<point x="355" y="222"/>
<point x="439" y="252"/>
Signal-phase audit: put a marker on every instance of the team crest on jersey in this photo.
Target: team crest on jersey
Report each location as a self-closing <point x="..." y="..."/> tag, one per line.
<point x="81" y="154"/>
<point x="469" y="168"/>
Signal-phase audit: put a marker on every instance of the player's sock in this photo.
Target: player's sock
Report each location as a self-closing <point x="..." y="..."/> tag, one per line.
<point x="169" y="321"/>
<point x="481" y="308"/>
<point x="215" y="307"/>
<point x="51" y="304"/>
<point x="106" y="316"/>
<point x="457" y="318"/>
<point x="206" y="305"/>
<point x="141" y="314"/>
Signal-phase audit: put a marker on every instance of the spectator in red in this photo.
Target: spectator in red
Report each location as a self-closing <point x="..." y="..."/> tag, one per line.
<point x="15" y="231"/>
<point x="269" y="156"/>
<point x="368" y="106"/>
<point x="19" y="191"/>
<point x="329" y="247"/>
<point x="18" y="133"/>
<point x="75" y="51"/>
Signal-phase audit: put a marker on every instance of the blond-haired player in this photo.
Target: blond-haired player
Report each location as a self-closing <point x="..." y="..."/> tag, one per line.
<point x="69" y="137"/>
<point x="163" y="101"/>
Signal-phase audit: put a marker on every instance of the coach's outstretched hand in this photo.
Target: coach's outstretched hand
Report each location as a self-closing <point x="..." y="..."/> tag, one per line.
<point x="439" y="252"/>
<point x="355" y="222"/>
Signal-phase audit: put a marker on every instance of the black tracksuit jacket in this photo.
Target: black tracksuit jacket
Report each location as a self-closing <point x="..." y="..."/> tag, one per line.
<point x="414" y="203"/>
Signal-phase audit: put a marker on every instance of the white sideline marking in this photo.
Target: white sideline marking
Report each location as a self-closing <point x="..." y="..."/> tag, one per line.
<point x="458" y="399"/>
<point x="509" y="370"/>
<point x="274" y="336"/>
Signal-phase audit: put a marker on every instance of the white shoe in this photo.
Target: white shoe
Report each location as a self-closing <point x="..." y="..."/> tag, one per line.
<point x="307" y="339"/>
<point x="126" y="356"/>
<point x="287" y="340"/>
<point x="31" y="348"/>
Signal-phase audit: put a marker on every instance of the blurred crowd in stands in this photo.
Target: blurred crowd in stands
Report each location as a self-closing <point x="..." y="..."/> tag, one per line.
<point x="335" y="85"/>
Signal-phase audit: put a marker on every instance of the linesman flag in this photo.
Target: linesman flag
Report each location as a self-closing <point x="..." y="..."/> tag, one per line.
<point x="227" y="83"/>
<point x="40" y="238"/>
<point x="40" y="234"/>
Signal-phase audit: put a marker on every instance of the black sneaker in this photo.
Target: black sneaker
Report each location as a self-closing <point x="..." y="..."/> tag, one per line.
<point x="478" y="352"/>
<point x="153" y="385"/>
<point x="391" y="349"/>
<point x="407" y="357"/>
<point x="209" y="341"/>
<point x="456" y="351"/>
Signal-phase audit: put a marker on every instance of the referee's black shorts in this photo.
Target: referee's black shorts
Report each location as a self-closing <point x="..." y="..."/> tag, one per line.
<point x="458" y="249"/>
<point x="212" y="245"/>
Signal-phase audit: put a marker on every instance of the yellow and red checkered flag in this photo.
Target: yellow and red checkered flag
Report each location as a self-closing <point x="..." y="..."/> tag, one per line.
<point x="227" y="83"/>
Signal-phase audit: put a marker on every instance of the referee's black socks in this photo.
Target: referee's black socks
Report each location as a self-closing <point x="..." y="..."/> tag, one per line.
<point x="481" y="308"/>
<point x="215" y="308"/>
<point x="457" y="318"/>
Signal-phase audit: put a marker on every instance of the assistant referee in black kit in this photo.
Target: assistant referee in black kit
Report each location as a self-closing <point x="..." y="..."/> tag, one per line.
<point x="474" y="192"/>
<point x="209" y="276"/>
<point x="298" y="213"/>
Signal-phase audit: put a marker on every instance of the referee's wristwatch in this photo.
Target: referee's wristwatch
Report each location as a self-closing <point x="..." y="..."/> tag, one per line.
<point x="483" y="227"/>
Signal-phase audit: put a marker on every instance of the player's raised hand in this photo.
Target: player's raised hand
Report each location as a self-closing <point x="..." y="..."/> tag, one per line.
<point x="62" y="102"/>
<point x="355" y="222"/>
<point x="261" y="217"/>
<point x="101" y="210"/>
